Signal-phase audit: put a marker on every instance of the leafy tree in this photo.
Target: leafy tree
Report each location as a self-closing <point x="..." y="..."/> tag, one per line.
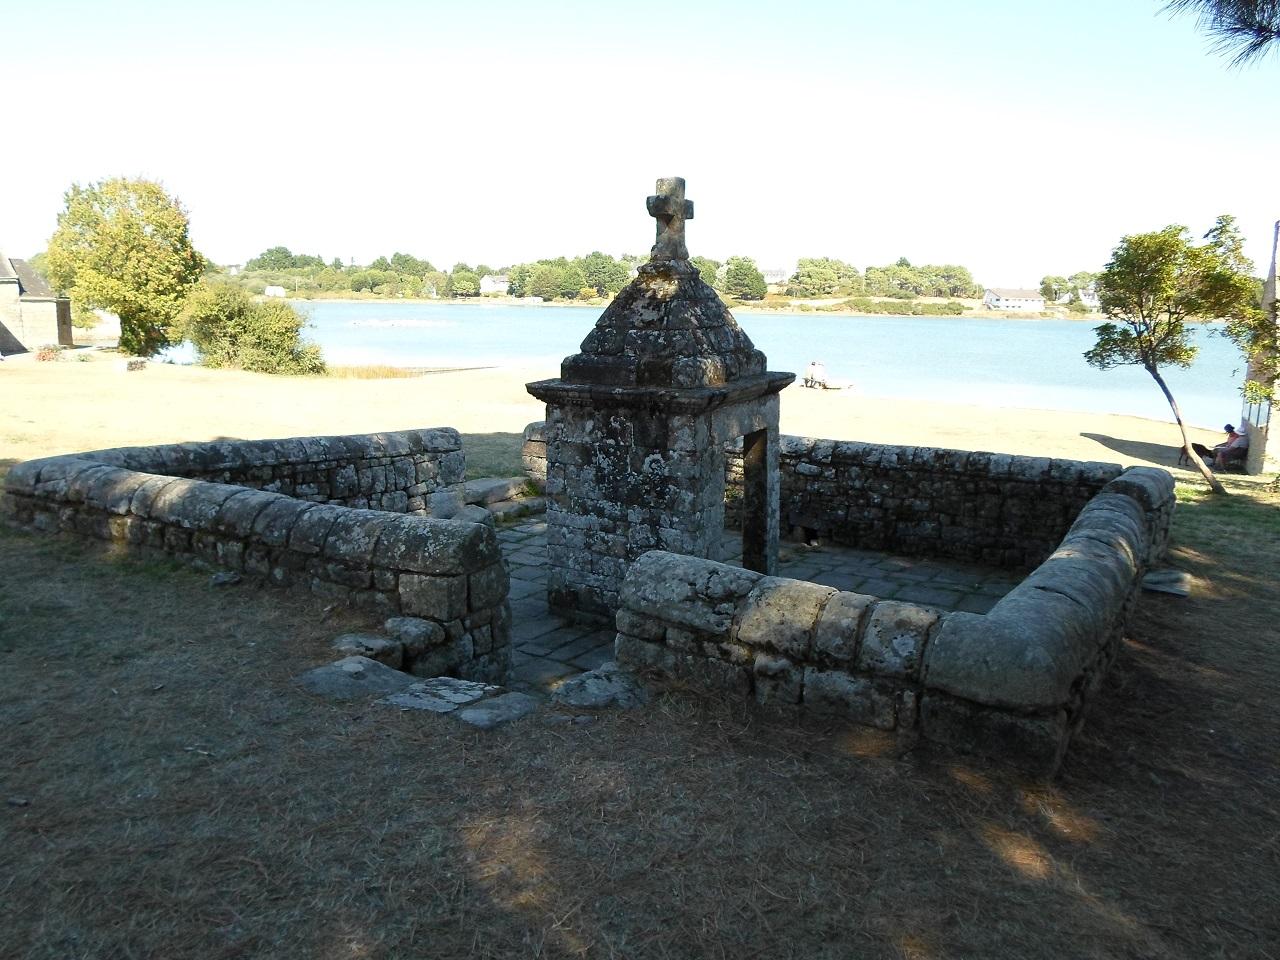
<point x="1153" y="286"/>
<point x="276" y="258"/>
<point x="1243" y="29"/>
<point x="706" y="269"/>
<point x="1051" y="288"/>
<point x="382" y="263"/>
<point x="823" y="277"/>
<point x="463" y="283"/>
<point x="228" y="329"/>
<point x="555" y="280"/>
<point x="743" y="280"/>
<point x="603" y="273"/>
<point x="1081" y="280"/>
<point x="404" y="263"/>
<point x="483" y="270"/>
<point x="1256" y="333"/>
<point x="123" y="245"/>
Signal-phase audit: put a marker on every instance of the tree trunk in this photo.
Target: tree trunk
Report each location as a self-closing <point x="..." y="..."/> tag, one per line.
<point x="1214" y="483"/>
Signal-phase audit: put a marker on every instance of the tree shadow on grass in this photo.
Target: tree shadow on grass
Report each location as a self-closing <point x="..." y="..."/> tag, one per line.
<point x="1160" y="453"/>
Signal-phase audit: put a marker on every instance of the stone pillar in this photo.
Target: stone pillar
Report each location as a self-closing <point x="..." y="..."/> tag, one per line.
<point x="636" y="428"/>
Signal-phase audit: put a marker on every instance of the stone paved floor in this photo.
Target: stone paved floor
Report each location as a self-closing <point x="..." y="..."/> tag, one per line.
<point x="546" y="649"/>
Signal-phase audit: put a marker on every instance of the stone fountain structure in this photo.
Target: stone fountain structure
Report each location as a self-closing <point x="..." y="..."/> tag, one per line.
<point x="637" y="425"/>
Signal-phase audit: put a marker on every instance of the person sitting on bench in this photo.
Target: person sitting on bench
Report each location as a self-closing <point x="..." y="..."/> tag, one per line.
<point x="1234" y="450"/>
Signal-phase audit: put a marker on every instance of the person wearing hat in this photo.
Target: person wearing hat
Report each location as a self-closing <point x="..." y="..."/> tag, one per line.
<point x="1235" y="447"/>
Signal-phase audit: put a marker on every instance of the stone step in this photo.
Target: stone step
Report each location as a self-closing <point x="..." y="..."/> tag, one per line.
<point x="511" y="509"/>
<point x="487" y="490"/>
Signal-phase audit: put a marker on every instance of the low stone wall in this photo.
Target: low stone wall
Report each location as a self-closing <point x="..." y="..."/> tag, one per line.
<point x="158" y="500"/>
<point x="1012" y="684"/>
<point x="399" y="472"/>
<point x="533" y="454"/>
<point x="991" y="508"/>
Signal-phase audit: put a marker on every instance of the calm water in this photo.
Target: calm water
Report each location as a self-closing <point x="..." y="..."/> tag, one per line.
<point x="1016" y="363"/>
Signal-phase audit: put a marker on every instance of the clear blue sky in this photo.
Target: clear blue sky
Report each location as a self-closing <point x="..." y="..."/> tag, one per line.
<point x="1019" y="139"/>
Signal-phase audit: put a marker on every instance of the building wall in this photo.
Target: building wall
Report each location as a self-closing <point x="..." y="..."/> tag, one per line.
<point x="31" y="322"/>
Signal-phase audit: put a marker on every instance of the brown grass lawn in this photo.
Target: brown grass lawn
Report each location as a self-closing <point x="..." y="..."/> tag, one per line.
<point x="172" y="794"/>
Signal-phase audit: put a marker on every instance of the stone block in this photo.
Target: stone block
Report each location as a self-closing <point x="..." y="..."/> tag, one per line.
<point x="1034" y="744"/>
<point x="274" y="524"/>
<point x="781" y="615"/>
<point x="836" y="635"/>
<point x="488" y="587"/>
<point x="113" y="491"/>
<point x="415" y="634"/>
<point x="353" y="678"/>
<point x="672" y="588"/>
<point x="836" y="693"/>
<point x="778" y="681"/>
<point x="894" y="639"/>
<point x="634" y="653"/>
<point x="437" y="597"/>
<point x="425" y="545"/>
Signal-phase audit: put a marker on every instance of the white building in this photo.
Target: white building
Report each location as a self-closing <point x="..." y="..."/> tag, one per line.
<point x="1004" y="298"/>
<point x="494" y="283"/>
<point x="30" y="314"/>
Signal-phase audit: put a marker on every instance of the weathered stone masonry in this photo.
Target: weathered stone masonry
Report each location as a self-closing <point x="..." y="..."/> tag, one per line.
<point x="292" y="512"/>
<point x="999" y="509"/>
<point x="1012" y="684"/>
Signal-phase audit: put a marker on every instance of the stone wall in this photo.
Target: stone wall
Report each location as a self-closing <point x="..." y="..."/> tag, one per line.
<point x="291" y="512"/>
<point x="992" y="508"/>
<point x="399" y="472"/>
<point x="1012" y="684"/>
<point x="533" y="454"/>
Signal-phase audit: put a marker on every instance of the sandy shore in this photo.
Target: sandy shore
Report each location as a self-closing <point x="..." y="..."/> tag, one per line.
<point x="48" y="408"/>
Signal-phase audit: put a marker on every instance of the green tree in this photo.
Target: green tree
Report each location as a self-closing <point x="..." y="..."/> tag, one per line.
<point x="706" y="269"/>
<point x="124" y="246"/>
<point x="382" y="263"/>
<point x="404" y="263"/>
<point x="228" y="329"/>
<point x="1153" y="286"/>
<point x="463" y="283"/>
<point x="1051" y="288"/>
<point x="824" y="277"/>
<point x="603" y="273"/>
<point x="743" y="280"/>
<point x="276" y="258"/>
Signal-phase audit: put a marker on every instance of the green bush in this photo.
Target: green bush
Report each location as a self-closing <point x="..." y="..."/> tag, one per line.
<point x="228" y="329"/>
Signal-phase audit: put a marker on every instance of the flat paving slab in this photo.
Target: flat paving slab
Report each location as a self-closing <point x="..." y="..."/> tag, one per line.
<point x="547" y="650"/>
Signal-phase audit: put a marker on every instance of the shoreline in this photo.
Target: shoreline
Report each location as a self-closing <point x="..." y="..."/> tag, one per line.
<point x="71" y="406"/>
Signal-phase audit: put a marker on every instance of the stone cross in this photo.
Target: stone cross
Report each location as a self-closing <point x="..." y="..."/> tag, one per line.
<point x="671" y="210"/>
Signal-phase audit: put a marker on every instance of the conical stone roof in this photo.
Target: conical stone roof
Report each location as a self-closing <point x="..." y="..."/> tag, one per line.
<point x="667" y="328"/>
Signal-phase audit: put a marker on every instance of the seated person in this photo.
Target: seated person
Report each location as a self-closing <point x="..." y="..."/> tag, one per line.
<point x="1234" y="450"/>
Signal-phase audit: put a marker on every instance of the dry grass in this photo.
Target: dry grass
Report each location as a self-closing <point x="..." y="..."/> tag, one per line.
<point x="187" y="800"/>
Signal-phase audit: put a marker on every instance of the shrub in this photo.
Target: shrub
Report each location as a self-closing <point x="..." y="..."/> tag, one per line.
<point x="48" y="352"/>
<point x="229" y="329"/>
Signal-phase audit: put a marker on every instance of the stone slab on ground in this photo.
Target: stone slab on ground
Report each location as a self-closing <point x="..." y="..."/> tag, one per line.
<point x="1176" y="583"/>
<point x="498" y="710"/>
<point x="352" y="678"/>
<point x="599" y="689"/>
<point x="441" y="695"/>
<point x="371" y="645"/>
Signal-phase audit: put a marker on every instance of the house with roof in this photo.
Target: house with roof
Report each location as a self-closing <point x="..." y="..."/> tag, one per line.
<point x="31" y="315"/>
<point x="494" y="283"/>
<point x="1008" y="298"/>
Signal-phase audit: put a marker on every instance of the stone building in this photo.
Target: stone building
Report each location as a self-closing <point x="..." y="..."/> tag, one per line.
<point x="30" y="314"/>
<point x="637" y="425"/>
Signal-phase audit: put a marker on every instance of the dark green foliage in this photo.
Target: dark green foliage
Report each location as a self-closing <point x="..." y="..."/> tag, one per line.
<point x="927" y="280"/>
<point x="603" y="272"/>
<point x="124" y="246"/>
<point x="742" y="280"/>
<point x="230" y="329"/>
<point x="899" y="309"/>
<point x="706" y="269"/>
<point x="280" y="258"/>
<point x="823" y="277"/>
<point x="463" y="282"/>
<point x="1242" y="29"/>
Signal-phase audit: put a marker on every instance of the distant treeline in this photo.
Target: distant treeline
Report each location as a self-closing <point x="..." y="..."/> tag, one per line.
<point x="597" y="275"/>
